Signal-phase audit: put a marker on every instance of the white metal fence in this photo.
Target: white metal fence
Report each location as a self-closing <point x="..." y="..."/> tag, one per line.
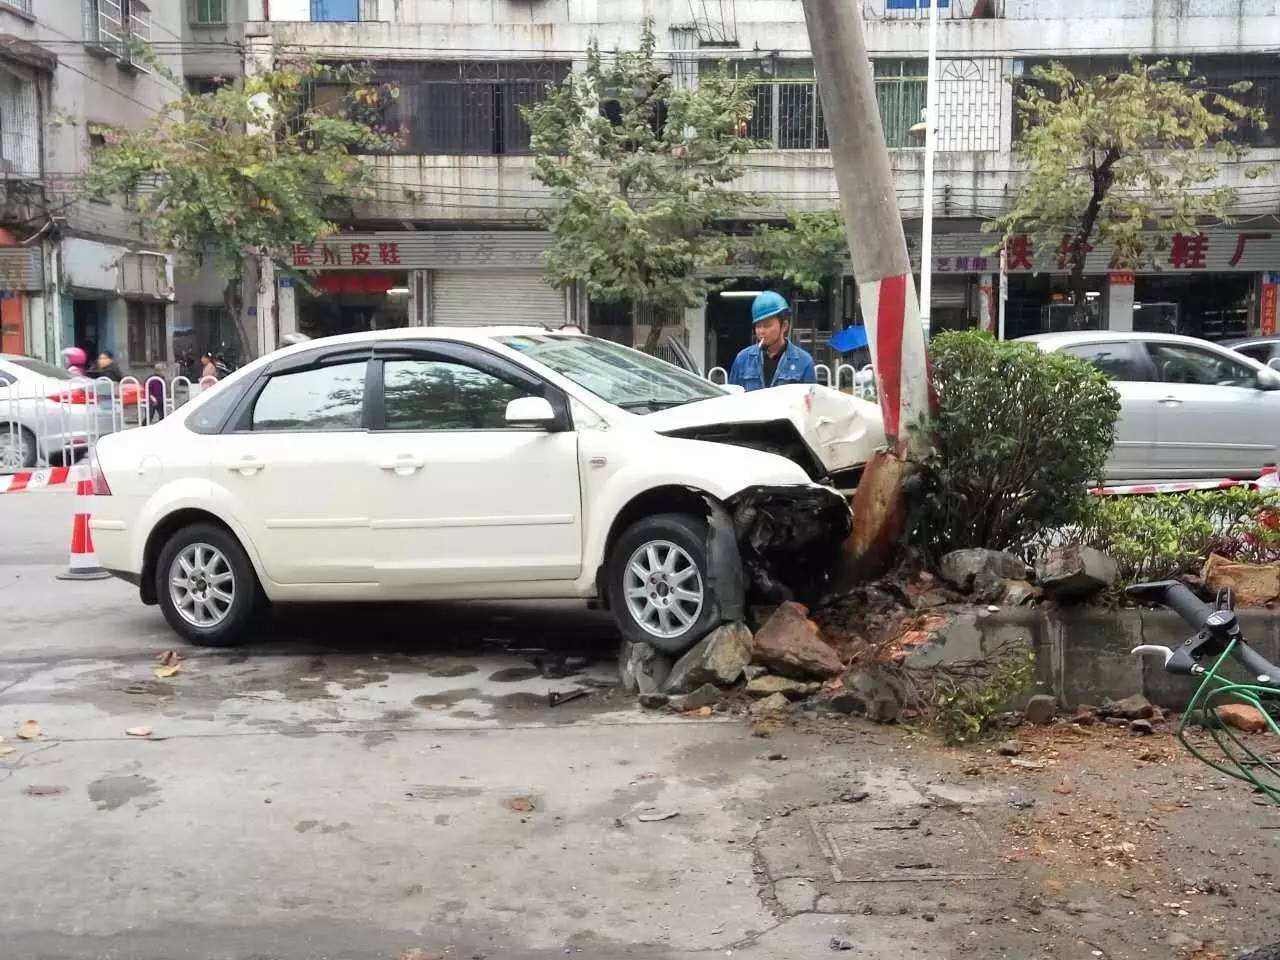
<point x="859" y="381"/>
<point x="54" y="422"/>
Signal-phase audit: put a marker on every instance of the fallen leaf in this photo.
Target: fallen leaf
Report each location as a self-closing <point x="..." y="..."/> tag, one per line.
<point x="5" y="751"/>
<point x="704" y="711"/>
<point x="655" y="817"/>
<point x="163" y="673"/>
<point x="521" y="804"/>
<point x="29" y="730"/>
<point x="41" y="790"/>
<point x="138" y="731"/>
<point x="418" y="953"/>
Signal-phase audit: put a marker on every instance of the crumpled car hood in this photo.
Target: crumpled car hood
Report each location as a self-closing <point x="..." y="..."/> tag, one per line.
<point x="842" y="431"/>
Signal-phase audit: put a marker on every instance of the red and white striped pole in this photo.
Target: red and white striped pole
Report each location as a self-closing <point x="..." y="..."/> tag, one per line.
<point x="84" y="563"/>
<point x="882" y="266"/>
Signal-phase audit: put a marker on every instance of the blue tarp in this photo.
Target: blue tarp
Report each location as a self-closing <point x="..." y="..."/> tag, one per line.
<point x="850" y="338"/>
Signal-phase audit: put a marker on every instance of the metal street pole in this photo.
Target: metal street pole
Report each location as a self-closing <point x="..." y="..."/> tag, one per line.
<point x="930" y="143"/>
<point x="1004" y="287"/>
<point x="882" y="267"/>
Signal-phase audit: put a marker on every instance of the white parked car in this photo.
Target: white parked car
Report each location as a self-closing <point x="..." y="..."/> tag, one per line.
<point x="46" y="413"/>
<point x="1188" y="408"/>
<point x="446" y="463"/>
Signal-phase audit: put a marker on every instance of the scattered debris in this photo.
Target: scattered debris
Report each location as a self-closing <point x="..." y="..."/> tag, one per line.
<point x="40" y="790"/>
<point x="654" y="701"/>
<point x="869" y="693"/>
<point x="774" y="703"/>
<point x="1010" y="748"/>
<point x="769" y="684"/>
<point x="856" y="797"/>
<point x="138" y="731"/>
<point x="1141" y="727"/>
<point x="1074" y="572"/>
<point x="1041" y="709"/>
<point x="1136" y="707"/>
<point x="981" y="571"/>
<point x="753" y="670"/>
<point x="1242" y="717"/>
<point x="520" y="804"/>
<point x="791" y="644"/>
<point x="29" y="730"/>
<point x="656" y="816"/>
<point x="641" y="668"/>
<point x="5" y="750"/>
<point x="555" y="697"/>
<point x="419" y="953"/>
<point x="1085" y="715"/>
<point x="776" y="756"/>
<point x="169" y="658"/>
<point x="841" y="943"/>
<point x="1027" y="764"/>
<point x="1019" y="593"/>
<point x="706" y="696"/>
<point x="718" y="658"/>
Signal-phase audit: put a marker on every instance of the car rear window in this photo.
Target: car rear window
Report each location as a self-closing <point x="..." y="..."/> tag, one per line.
<point x="41" y="368"/>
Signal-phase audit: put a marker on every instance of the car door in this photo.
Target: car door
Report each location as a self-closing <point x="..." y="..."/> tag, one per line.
<point x="1134" y="455"/>
<point x="1214" y="420"/>
<point x="460" y="496"/>
<point x="292" y="466"/>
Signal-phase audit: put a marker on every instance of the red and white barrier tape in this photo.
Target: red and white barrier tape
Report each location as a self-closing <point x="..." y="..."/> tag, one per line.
<point x="1270" y="480"/>
<point x="39" y="479"/>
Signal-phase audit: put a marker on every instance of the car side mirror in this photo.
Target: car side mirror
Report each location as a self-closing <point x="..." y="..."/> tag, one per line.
<point x="538" y="412"/>
<point x="1268" y="379"/>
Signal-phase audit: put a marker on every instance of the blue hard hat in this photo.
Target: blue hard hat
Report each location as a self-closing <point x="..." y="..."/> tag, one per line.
<point x="766" y="305"/>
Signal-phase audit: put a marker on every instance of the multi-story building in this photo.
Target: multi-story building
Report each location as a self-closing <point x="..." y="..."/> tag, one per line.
<point x="453" y="234"/>
<point x="73" y="270"/>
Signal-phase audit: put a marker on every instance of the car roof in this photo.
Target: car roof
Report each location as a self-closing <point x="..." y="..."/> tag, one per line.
<point x="1249" y="341"/>
<point x="1051" y="341"/>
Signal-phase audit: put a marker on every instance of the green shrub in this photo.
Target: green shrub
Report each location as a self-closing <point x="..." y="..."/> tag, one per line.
<point x="1019" y="437"/>
<point x="1165" y="536"/>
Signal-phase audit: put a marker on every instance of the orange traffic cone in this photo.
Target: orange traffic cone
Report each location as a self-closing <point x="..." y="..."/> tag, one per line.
<point x="84" y="564"/>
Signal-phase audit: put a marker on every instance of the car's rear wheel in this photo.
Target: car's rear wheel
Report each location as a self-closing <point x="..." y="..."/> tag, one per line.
<point x="17" y="448"/>
<point x="659" y="584"/>
<point x="206" y="586"/>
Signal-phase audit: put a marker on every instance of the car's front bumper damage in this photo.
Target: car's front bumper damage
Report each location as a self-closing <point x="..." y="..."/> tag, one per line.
<point x="788" y="539"/>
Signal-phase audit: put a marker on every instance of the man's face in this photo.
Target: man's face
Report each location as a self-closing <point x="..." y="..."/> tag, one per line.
<point x="103" y="360"/>
<point x="771" y="332"/>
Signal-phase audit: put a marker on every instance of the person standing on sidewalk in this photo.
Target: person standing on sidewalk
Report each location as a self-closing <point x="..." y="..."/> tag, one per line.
<point x="773" y="360"/>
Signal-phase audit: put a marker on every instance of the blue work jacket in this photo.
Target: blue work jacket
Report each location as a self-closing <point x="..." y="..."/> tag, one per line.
<point x="794" y="366"/>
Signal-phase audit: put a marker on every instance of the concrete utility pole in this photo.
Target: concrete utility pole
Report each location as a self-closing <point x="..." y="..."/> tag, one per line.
<point x="882" y="267"/>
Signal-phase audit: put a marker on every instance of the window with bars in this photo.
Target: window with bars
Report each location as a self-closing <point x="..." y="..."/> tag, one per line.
<point x="901" y="91"/>
<point x="23" y="5"/>
<point x="19" y="129"/>
<point x="203" y="12"/>
<point x="147" y="333"/>
<point x="115" y="28"/>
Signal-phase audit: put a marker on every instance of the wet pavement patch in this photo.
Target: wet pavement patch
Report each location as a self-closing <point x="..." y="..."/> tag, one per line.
<point x="446" y="698"/>
<point x="521" y="701"/>
<point x="111" y="793"/>
<point x="451" y="670"/>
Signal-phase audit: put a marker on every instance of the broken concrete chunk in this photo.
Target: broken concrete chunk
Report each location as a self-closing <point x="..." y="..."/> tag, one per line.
<point x="1041" y="709"/>
<point x="871" y="694"/>
<point x="769" y="684"/>
<point x="1252" y="584"/>
<point x="791" y="644"/>
<point x="653" y="701"/>
<point x="1011" y="748"/>
<point x="1242" y="717"/>
<point x="1018" y="593"/>
<point x="1074" y="572"/>
<point x="774" y="703"/>
<point x="641" y="668"/>
<point x="980" y="570"/>
<point x="1141" y="727"/>
<point x="1136" y="707"/>
<point x="707" y="695"/>
<point x="717" y="658"/>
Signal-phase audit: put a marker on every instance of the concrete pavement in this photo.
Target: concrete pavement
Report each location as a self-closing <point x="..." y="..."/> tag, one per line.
<point x="358" y="782"/>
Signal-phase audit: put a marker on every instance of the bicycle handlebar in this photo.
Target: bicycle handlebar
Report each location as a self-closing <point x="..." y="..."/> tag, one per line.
<point x="1177" y="597"/>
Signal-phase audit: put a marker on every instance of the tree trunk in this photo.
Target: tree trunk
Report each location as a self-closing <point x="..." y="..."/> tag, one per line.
<point x="1102" y="177"/>
<point x="655" y="331"/>
<point x="233" y="302"/>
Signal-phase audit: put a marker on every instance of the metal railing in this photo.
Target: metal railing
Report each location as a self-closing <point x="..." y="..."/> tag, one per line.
<point x="861" y="382"/>
<point x="45" y="423"/>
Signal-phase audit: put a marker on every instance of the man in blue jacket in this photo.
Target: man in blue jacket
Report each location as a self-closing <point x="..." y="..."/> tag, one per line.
<point x="773" y="360"/>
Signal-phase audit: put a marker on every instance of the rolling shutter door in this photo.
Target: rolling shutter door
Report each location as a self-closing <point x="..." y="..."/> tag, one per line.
<point x="473" y="298"/>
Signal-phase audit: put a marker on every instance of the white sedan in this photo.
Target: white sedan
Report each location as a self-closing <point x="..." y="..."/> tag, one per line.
<point x="446" y="463"/>
<point x="46" y="413"/>
<point x="1188" y="408"/>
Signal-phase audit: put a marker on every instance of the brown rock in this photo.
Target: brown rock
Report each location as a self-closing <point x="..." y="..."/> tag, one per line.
<point x="1254" y="585"/>
<point x="1011" y="748"/>
<point x="1073" y="572"/>
<point x="1136" y="707"/>
<point x="768" y="685"/>
<point x="1242" y="717"/>
<point x="1041" y="709"/>
<point x="1017" y="593"/>
<point x="775" y="703"/>
<point x="790" y="644"/>
<point x="1085" y="715"/>
<point x="717" y="658"/>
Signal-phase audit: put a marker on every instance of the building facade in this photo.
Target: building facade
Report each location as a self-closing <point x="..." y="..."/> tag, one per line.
<point x="74" y="271"/>
<point x="452" y="235"/>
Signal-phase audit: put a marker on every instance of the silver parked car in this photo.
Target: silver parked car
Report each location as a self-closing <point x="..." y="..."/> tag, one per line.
<point x="45" y="413"/>
<point x="1263" y="349"/>
<point x="1188" y="408"/>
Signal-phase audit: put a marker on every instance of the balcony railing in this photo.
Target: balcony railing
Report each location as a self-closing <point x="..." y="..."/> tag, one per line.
<point x="23" y="5"/>
<point x="919" y="9"/>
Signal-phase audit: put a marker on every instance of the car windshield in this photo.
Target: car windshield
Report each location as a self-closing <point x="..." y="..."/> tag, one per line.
<point x="41" y="368"/>
<point x="620" y="375"/>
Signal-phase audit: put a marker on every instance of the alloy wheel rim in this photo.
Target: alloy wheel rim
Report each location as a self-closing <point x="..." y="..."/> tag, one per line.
<point x="13" y="451"/>
<point x="663" y="589"/>
<point x="202" y="585"/>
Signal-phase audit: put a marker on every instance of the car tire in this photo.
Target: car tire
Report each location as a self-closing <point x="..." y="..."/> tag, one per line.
<point x="17" y="448"/>
<point x="666" y="555"/>
<point x="211" y="609"/>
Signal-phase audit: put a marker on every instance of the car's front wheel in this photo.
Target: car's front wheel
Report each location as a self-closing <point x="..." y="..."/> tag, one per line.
<point x="206" y="585"/>
<point x="659" y="588"/>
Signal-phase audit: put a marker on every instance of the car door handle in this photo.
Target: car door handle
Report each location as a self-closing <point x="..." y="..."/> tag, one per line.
<point x="247" y="466"/>
<point x="403" y="465"/>
<point x="1170" y="402"/>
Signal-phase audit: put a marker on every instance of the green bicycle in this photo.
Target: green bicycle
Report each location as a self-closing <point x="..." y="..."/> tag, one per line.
<point x="1217" y="640"/>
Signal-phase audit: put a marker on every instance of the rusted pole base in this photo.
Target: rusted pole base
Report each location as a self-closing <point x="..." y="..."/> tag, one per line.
<point x="879" y="516"/>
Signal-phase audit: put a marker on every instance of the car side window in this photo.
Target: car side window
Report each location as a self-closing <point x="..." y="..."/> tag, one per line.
<point x="1118" y="359"/>
<point x="1256" y="351"/>
<point x="322" y="398"/>
<point x="446" y="395"/>
<point x="1176" y="363"/>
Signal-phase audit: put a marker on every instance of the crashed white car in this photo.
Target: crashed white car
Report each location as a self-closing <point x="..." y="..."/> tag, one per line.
<point x="498" y="462"/>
